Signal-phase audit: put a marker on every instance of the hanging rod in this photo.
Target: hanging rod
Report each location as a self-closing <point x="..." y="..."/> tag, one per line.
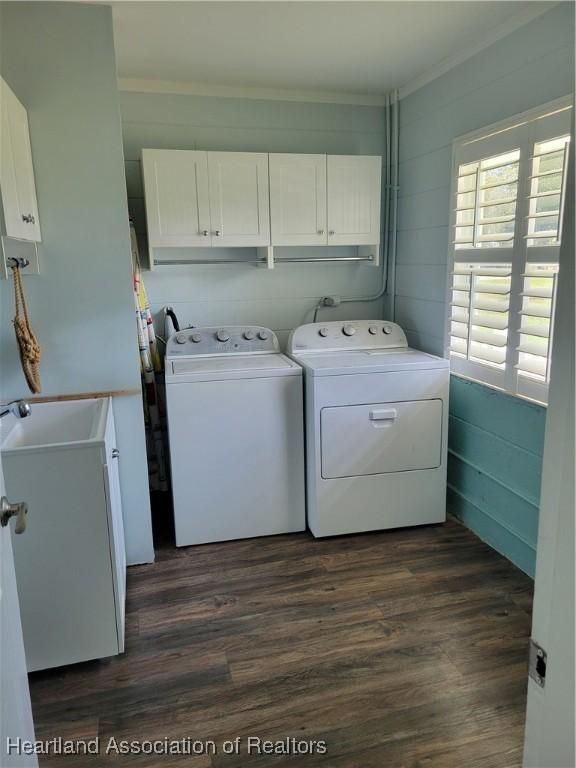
<point x="175" y="262"/>
<point x="311" y="259"/>
<point x="327" y="258"/>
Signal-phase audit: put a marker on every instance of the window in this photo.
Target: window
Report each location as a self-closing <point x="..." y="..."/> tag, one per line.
<point x="508" y="196"/>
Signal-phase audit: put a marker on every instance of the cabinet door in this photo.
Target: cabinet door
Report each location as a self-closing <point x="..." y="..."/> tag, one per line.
<point x="176" y="192"/>
<point x="16" y="170"/>
<point x="115" y="526"/>
<point x="354" y="199"/>
<point x="298" y="199"/>
<point x="239" y="201"/>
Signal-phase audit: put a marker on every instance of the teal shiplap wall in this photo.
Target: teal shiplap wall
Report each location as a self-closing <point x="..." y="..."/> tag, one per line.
<point x="495" y="459"/>
<point x="59" y="59"/>
<point x="284" y="297"/>
<point x="494" y="466"/>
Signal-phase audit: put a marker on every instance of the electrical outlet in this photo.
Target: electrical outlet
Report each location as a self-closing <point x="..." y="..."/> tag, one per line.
<point x="331" y="301"/>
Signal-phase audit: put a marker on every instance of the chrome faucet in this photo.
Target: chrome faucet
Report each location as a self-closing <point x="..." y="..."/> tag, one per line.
<point x="20" y="409"/>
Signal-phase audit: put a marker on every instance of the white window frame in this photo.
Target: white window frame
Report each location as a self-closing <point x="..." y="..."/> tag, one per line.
<point x="519" y="132"/>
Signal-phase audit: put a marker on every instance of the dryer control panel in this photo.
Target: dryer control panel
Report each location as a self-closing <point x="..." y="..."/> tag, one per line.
<point x="339" y="335"/>
<point x="222" y="340"/>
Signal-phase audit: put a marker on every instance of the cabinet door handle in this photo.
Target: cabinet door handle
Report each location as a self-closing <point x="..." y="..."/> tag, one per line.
<point x="331" y="232"/>
<point x="205" y="232"/>
<point x="115" y="453"/>
<point x="320" y="231"/>
<point x="19" y="511"/>
<point x="27" y="218"/>
<point x="217" y="233"/>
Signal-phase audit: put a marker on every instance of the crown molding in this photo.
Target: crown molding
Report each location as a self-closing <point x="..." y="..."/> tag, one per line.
<point x="136" y="85"/>
<point x="497" y="33"/>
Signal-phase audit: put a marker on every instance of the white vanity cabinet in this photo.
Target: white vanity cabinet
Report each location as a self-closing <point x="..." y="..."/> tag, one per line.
<point x="70" y="562"/>
<point x="206" y="199"/>
<point x="17" y="183"/>
<point x="298" y="199"/>
<point x="354" y="183"/>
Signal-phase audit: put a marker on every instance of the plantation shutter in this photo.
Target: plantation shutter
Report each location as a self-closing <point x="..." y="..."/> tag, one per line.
<point x="508" y="193"/>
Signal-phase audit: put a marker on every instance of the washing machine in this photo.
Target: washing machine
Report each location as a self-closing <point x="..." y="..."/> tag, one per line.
<point x="236" y="435"/>
<point x="376" y="427"/>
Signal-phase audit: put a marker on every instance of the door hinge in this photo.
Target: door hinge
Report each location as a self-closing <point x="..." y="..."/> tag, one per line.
<point x="537" y="664"/>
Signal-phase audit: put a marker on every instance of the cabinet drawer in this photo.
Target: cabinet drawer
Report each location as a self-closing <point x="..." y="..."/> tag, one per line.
<point x="382" y="437"/>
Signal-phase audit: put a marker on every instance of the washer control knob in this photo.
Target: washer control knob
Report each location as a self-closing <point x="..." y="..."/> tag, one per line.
<point x="373" y="329"/>
<point x="248" y="335"/>
<point x="222" y="335"/>
<point x="181" y="338"/>
<point x="348" y="330"/>
<point x="196" y="337"/>
<point x="323" y="332"/>
<point x="387" y="329"/>
<point x="263" y="335"/>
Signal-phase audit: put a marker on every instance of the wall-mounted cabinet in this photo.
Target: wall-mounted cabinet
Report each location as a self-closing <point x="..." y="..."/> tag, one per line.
<point x="239" y="199"/>
<point x="206" y="199"/>
<point x="16" y="170"/>
<point x="177" y="201"/>
<point x="353" y="199"/>
<point x="247" y="199"/>
<point x="325" y="200"/>
<point x="298" y="199"/>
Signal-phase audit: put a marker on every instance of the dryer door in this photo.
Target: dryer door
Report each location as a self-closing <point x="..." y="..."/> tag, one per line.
<point x="382" y="437"/>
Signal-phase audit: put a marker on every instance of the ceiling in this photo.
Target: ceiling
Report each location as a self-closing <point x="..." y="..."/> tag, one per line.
<point x="363" y="48"/>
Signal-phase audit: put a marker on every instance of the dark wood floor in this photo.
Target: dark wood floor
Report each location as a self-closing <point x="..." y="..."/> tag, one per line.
<point x="400" y="649"/>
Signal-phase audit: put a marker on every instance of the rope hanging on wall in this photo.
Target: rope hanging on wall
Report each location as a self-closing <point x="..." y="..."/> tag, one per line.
<point x="27" y="343"/>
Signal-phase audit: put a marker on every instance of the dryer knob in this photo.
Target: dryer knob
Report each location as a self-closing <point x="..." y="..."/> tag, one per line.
<point x="263" y="335"/>
<point x="181" y="338"/>
<point x="373" y="329"/>
<point x="196" y="337"/>
<point x="222" y="335"/>
<point x="248" y="335"/>
<point x="348" y="330"/>
<point x="323" y="332"/>
<point x="387" y="329"/>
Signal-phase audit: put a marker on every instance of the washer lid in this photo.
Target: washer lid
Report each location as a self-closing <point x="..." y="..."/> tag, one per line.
<point x="368" y="361"/>
<point x="218" y="367"/>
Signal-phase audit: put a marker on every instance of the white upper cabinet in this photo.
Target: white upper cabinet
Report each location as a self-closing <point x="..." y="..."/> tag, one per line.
<point x="239" y="199"/>
<point x="16" y="170"/>
<point x="298" y="199"/>
<point x="177" y="198"/>
<point x="354" y="199"/>
<point x="254" y="200"/>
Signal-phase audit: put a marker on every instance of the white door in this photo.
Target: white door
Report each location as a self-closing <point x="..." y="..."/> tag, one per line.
<point x="239" y="199"/>
<point x="16" y="170"/>
<point x="298" y="199"/>
<point x="354" y="199"/>
<point x="176" y="192"/>
<point x="550" y="717"/>
<point x="15" y="710"/>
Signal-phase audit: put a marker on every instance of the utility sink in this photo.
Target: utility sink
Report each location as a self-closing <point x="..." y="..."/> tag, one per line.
<point x="62" y="460"/>
<point x="58" y="424"/>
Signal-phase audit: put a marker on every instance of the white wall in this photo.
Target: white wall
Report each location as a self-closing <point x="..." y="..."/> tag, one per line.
<point x="59" y="60"/>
